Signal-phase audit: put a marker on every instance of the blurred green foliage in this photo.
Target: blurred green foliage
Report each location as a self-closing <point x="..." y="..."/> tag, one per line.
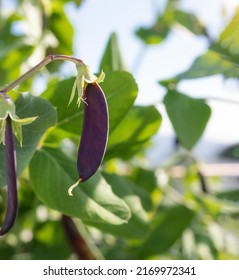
<point x="127" y="210"/>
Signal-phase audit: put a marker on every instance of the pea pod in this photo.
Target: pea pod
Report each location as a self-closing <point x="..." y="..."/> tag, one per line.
<point x="12" y="203"/>
<point x="94" y="132"/>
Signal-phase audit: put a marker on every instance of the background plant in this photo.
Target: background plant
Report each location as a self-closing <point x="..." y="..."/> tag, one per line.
<point x="127" y="210"/>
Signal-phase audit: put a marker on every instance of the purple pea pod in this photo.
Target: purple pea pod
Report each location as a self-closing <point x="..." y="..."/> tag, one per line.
<point x="10" y="125"/>
<point x="12" y="204"/>
<point x="94" y="132"/>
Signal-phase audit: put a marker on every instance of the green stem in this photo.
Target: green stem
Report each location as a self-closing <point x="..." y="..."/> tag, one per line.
<point x="139" y="59"/>
<point x="36" y="68"/>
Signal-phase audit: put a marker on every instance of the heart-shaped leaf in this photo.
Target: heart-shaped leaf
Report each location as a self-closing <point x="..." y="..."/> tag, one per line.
<point x="188" y="116"/>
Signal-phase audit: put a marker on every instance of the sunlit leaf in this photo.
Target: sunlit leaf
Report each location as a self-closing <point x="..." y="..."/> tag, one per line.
<point x="189" y="21"/>
<point x="11" y="64"/>
<point x="112" y="59"/>
<point x="69" y="117"/>
<point x="138" y="224"/>
<point x="168" y="226"/>
<point x="61" y="27"/>
<point x="166" y="21"/>
<point x="228" y="39"/>
<point x="52" y="173"/>
<point x="155" y="34"/>
<point x="138" y="126"/>
<point x="120" y="89"/>
<point x="208" y="64"/>
<point x="188" y="116"/>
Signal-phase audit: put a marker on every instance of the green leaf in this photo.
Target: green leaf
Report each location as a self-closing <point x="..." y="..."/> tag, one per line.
<point x="112" y="59"/>
<point x="189" y="21"/>
<point x="145" y="178"/>
<point x="206" y="241"/>
<point x="11" y="64"/>
<point x="222" y="58"/>
<point x="49" y="245"/>
<point x="137" y="128"/>
<point x="121" y="91"/>
<point x="129" y="188"/>
<point x="60" y="26"/>
<point x="168" y="226"/>
<point x="69" y="117"/>
<point x="77" y="2"/>
<point x="57" y="137"/>
<point x="228" y="40"/>
<point x="231" y="195"/>
<point x="28" y="105"/>
<point x="188" y="116"/>
<point x="155" y="34"/>
<point x="138" y="225"/>
<point x="119" y="87"/>
<point x="219" y="204"/>
<point x="208" y="64"/>
<point x="51" y="175"/>
<point x="159" y="31"/>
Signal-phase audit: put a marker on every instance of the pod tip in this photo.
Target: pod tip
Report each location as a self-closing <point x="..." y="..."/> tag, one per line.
<point x="71" y="188"/>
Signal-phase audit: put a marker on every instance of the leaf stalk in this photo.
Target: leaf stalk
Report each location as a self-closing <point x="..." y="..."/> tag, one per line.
<point x="50" y="58"/>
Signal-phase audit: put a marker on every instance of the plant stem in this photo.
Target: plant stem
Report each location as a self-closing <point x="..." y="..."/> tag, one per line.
<point x="203" y="183"/>
<point x="36" y="68"/>
<point x="77" y="240"/>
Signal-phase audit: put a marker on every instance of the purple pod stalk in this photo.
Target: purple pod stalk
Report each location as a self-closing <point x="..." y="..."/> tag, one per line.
<point x="94" y="132"/>
<point x="203" y="182"/>
<point x="12" y="203"/>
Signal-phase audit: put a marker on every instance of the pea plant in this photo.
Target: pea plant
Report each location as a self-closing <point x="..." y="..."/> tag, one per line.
<point x="75" y="181"/>
<point x="93" y="137"/>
